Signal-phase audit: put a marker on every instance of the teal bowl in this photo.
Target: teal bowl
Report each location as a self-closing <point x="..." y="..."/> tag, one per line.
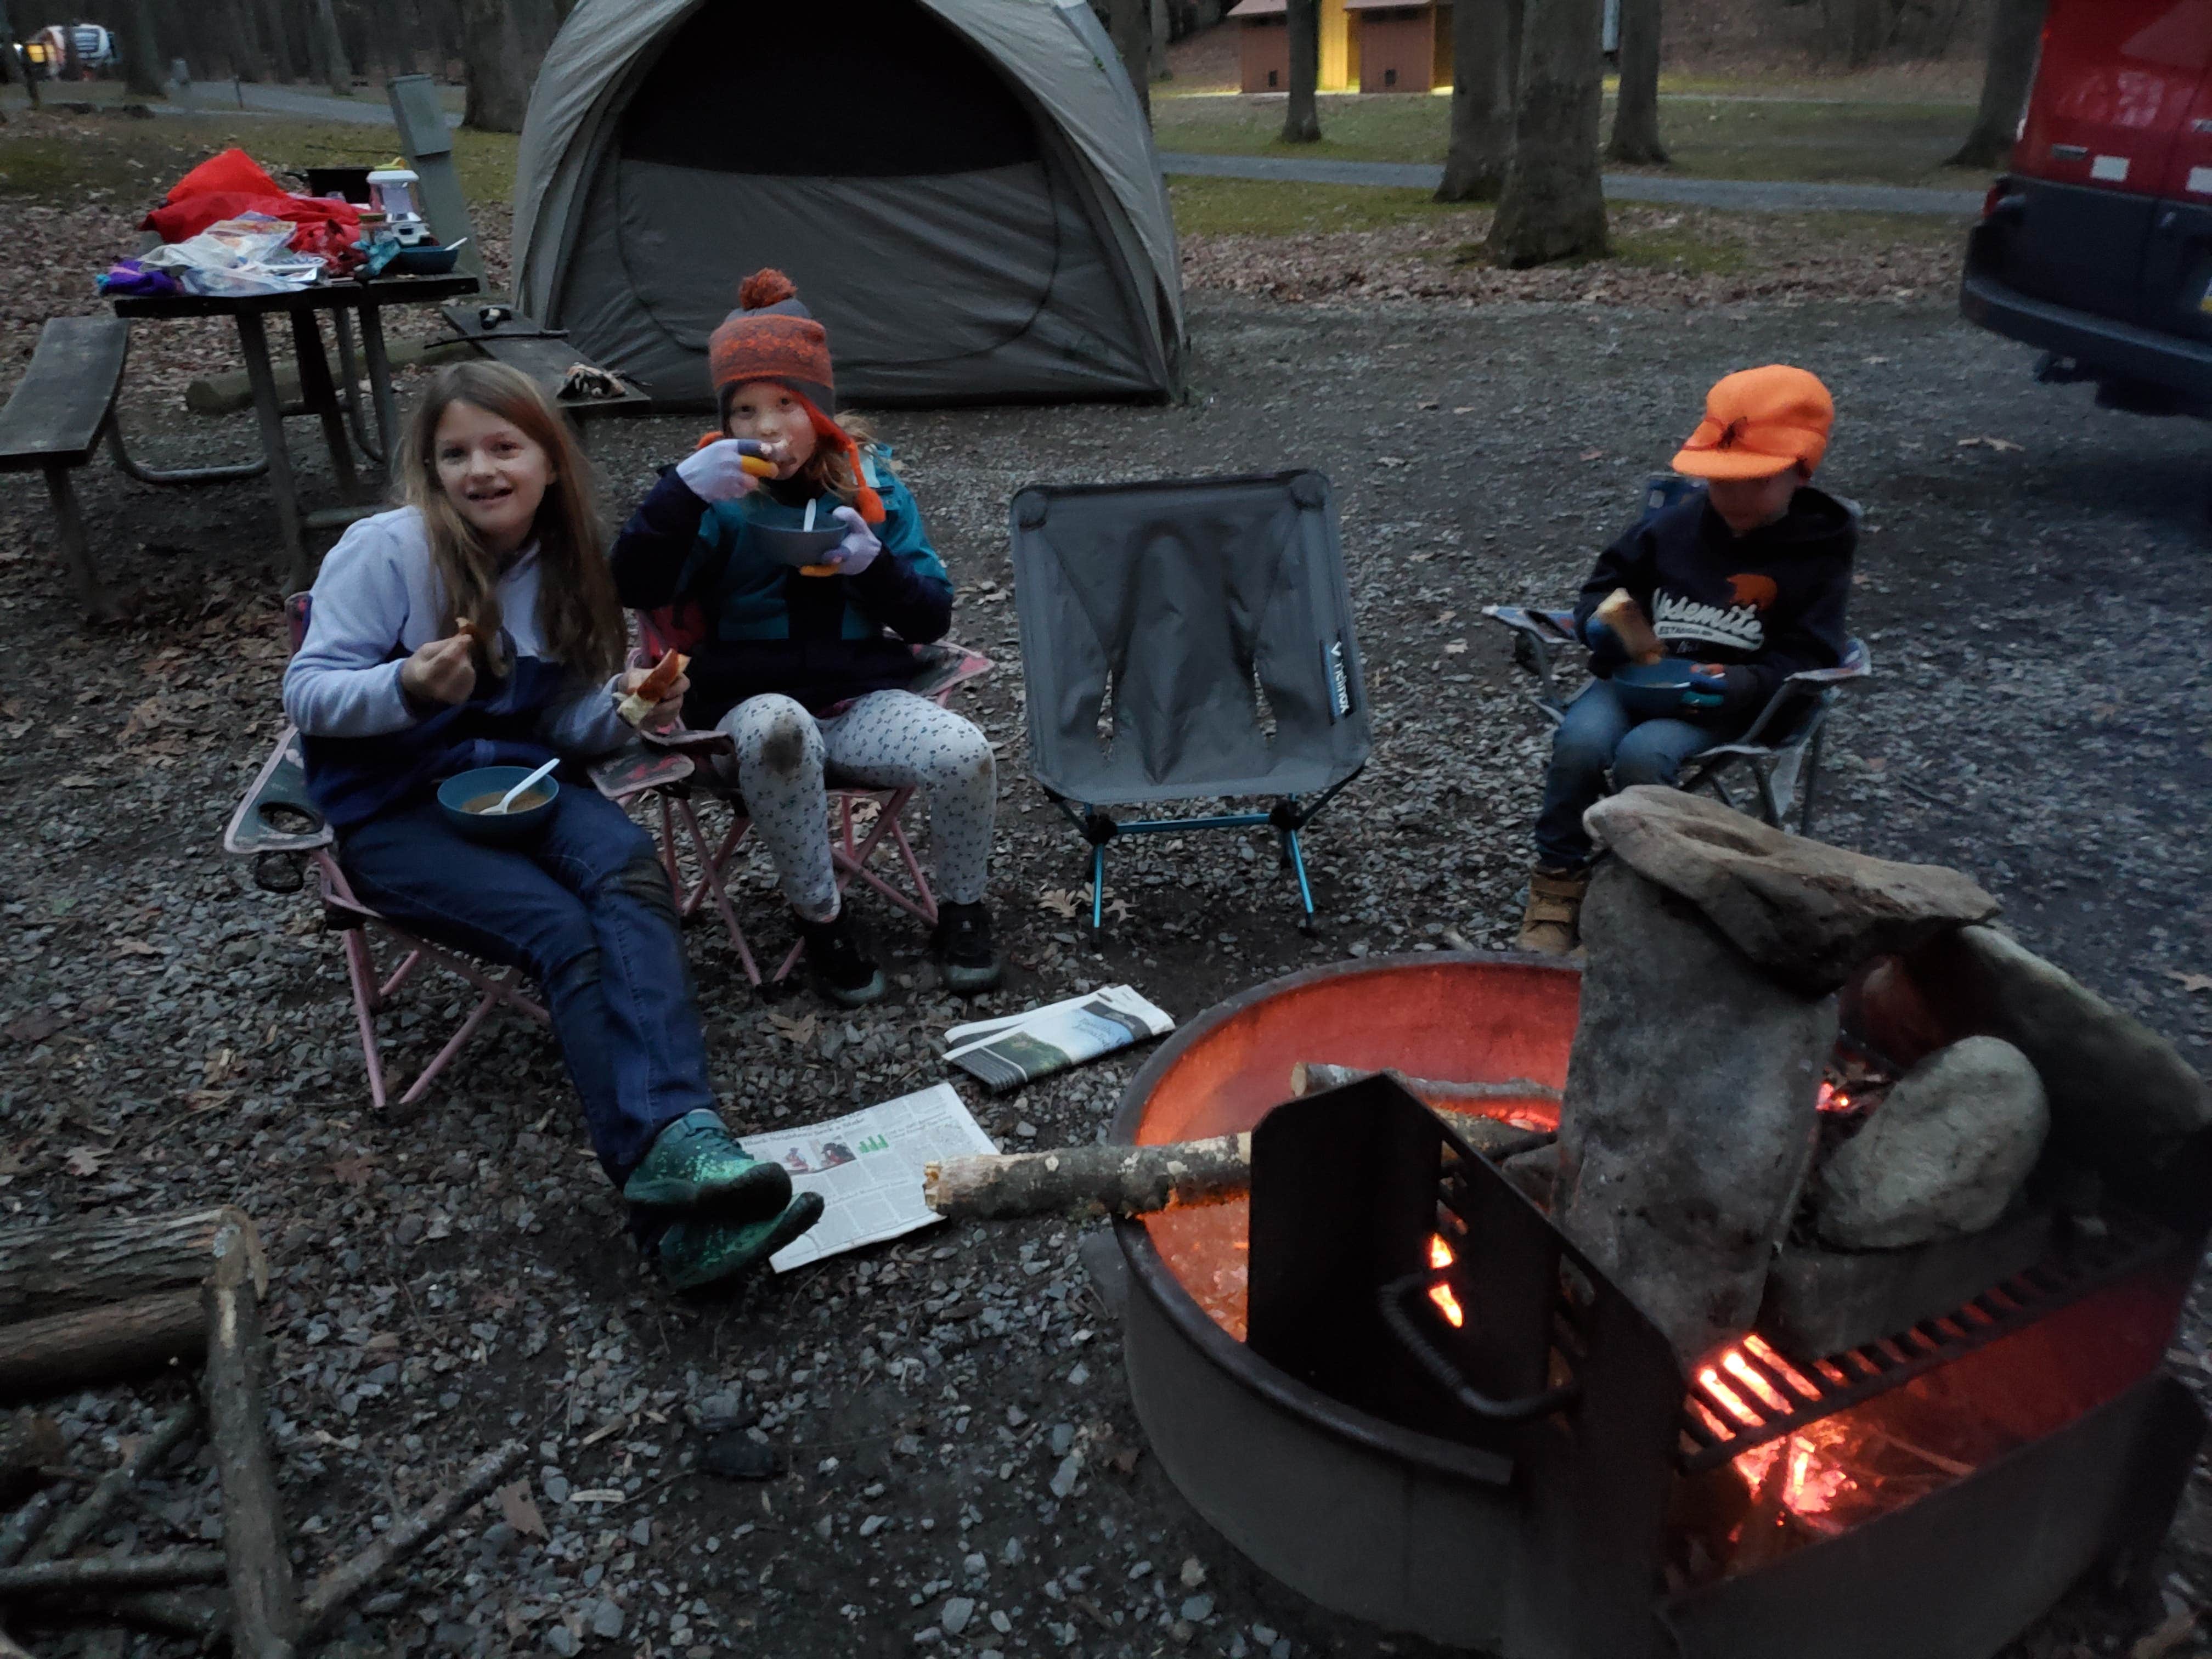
<point x="465" y="794"/>
<point x="1653" y="690"/>
<point x="425" y="261"/>
<point x="797" y="547"/>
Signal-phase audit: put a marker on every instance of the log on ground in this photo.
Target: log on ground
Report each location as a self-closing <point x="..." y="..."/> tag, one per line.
<point x="49" y="1269"/>
<point x="264" y="1607"/>
<point x="68" y="1352"/>
<point x="104" y="1572"/>
<point x="1104" y="1180"/>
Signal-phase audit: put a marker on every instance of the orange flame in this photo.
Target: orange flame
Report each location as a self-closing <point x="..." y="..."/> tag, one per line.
<point x="1757" y="1348"/>
<point x="1739" y="1368"/>
<point x="1710" y="1380"/>
<point x="1447" y="1304"/>
<point x="1440" y="1253"/>
<point x="1832" y="1099"/>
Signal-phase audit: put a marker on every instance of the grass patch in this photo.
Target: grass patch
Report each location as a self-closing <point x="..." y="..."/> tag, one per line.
<point x="1272" y="207"/>
<point x="1889" y="142"/>
<point x="68" y="160"/>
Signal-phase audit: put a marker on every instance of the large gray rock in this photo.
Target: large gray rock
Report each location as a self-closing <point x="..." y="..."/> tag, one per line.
<point x="1806" y="913"/>
<point x="1688" y="1118"/>
<point x="2118" y="1092"/>
<point x="1945" y="1154"/>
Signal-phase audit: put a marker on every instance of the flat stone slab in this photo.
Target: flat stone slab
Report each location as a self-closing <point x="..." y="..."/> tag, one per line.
<point x="1807" y="915"/>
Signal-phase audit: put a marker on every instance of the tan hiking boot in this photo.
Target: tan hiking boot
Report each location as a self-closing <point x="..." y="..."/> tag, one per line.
<point x="1548" y="926"/>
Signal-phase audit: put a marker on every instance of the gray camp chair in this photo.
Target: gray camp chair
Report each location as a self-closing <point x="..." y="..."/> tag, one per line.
<point x="1184" y="640"/>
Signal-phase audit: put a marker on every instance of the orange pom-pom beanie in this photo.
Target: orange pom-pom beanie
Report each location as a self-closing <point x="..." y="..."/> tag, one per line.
<point x="772" y="337"/>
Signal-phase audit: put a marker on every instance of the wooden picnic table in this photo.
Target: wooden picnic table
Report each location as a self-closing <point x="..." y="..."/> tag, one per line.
<point x="319" y="394"/>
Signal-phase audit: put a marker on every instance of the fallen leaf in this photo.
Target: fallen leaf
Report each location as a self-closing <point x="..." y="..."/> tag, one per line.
<point x="2000" y="445"/>
<point x="1428" y="403"/>
<point x="1593" y="455"/>
<point x="800" y="1031"/>
<point x="35" y="1027"/>
<point x="136" y="947"/>
<point x="2190" y="982"/>
<point x="1389" y="460"/>
<point x="1464" y="409"/>
<point x="80" y="780"/>
<point x="1058" y="900"/>
<point x="1453" y="647"/>
<point x="83" y="1162"/>
<point x="519" y="1509"/>
<point x="356" y="1172"/>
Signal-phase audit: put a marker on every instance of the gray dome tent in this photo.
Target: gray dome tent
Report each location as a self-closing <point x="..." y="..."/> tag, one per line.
<point x="964" y="190"/>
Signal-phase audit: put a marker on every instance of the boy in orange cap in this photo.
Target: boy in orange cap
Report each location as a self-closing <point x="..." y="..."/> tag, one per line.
<point x="1747" y="577"/>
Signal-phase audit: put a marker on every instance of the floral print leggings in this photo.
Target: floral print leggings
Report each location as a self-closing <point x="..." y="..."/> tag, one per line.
<point x="886" y="739"/>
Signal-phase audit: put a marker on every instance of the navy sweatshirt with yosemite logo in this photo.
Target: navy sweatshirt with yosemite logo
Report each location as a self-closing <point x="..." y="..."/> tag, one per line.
<point x="1770" y="604"/>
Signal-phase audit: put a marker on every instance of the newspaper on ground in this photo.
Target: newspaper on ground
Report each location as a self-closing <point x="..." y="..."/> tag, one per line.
<point x="867" y="1167"/>
<point x="1018" y="1048"/>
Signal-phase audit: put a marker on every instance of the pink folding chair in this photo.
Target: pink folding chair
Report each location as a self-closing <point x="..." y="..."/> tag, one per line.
<point x="865" y="821"/>
<point x="278" y="827"/>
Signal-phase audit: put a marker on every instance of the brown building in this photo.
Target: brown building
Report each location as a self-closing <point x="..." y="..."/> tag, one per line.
<point x="1366" y="45"/>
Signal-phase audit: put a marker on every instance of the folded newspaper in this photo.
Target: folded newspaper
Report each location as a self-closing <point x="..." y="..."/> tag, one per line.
<point x="867" y="1167"/>
<point x="1018" y="1048"/>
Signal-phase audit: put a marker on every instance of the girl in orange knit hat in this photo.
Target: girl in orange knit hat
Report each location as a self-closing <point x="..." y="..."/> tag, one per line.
<point x="808" y="650"/>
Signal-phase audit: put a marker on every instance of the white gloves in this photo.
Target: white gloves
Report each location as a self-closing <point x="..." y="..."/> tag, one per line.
<point x="719" y="472"/>
<point x="859" y="548"/>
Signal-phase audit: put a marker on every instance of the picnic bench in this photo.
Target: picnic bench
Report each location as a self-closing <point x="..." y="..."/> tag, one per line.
<point x="62" y="408"/>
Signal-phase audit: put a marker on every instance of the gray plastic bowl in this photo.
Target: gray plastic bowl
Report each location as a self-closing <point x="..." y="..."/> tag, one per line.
<point x="1653" y="690"/>
<point x="518" y="824"/>
<point x="798" y="547"/>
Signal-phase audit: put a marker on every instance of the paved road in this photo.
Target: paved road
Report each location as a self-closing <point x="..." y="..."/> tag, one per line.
<point x="1757" y="195"/>
<point x="210" y="97"/>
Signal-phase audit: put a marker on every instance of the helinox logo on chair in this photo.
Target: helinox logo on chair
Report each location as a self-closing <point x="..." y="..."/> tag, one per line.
<point x="1339" y="678"/>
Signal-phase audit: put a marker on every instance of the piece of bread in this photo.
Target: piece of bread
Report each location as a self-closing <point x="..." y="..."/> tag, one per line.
<point x="1620" y="611"/>
<point x="640" y="703"/>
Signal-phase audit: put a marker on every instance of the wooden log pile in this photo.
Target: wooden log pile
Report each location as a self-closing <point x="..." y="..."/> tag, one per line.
<point x="83" y="1304"/>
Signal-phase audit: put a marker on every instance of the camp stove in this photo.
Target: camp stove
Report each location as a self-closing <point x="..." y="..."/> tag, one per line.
<point x="1442" y="1418"/>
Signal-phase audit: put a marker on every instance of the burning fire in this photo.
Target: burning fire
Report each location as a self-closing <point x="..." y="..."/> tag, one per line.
<point x="1812" y="1480"/>
<point x="1440" y="1255"/>
<point x="1831" y="1099"/>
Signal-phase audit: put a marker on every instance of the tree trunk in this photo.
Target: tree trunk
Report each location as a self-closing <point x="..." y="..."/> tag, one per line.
<point x="499" y="78"/>
<point x="1865" y="22"/>
<point x="1486" y="65"/>
<point x="2015" y="31"/>
<point x="1301" y="115"/>
<point x="281" y="29"/>
<point x="142" y="52"/>
<point x="1130" y="25"/>
<point x="337" y="73"/>
<point x="246" y="62"/>
<point x="1635" y="114"/>
<point x="1552" y="206"/>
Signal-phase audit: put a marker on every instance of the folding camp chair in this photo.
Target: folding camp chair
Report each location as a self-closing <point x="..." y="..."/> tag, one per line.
<point x="1780" y="749"/>
<point x="278" y="827"/>
<point x="868" y="820"/>
<point x="1188" y="640"/>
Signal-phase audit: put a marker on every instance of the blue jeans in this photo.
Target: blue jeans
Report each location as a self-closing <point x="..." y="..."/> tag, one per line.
<point x="585" y="910"/>
<point x="1598" y="733"/>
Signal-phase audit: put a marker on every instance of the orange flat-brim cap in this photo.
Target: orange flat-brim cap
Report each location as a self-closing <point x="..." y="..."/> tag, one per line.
<point x="1760" y="422"/>
<point x="1736" y="462"/>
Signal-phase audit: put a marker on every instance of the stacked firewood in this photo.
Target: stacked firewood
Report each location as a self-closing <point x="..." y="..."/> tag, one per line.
<point x="85" y="1304"/>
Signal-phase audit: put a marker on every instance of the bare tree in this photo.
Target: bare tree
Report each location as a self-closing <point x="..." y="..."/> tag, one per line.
<point x="499" y="70"/>
<point x="1300" y="114"/>
<point x="142" y="52"/>
<point x="337" y="72"/>
<point x="1866" y="30"/>
<point x="1129" y="23"/>
<point x="1552" y="206"/>
<point x="246" y="62"/>
<point x="1635" y="114"/>
<point x="14" y="66"/>
<point x="1486" y="65"/>
<point x="2015" y="31"/>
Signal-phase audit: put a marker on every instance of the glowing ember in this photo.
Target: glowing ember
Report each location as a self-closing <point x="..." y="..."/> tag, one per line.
<point x="1447" y="1304"/>
<point x="1440" y="1253"/>
<point x="1832" y="1099"/>
<point x="1710" y="1380"/>
<point x="1758" y="1349"/>
<point x="1739" y="1368"/>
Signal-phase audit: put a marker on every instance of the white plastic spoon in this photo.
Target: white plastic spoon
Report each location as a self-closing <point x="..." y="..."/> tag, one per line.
<point x="507" y="799"/>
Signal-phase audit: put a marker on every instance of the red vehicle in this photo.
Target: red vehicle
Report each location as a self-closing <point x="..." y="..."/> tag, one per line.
<point x="2097" y="245"/>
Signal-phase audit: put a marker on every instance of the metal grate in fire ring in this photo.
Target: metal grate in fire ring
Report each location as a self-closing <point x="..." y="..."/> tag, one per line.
<point x="1754" y="1393"/>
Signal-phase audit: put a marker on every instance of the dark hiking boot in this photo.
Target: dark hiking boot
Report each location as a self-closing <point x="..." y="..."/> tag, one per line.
<point x="842" y="970"/>
<point x="696" y="1162"/>
<point x="961" y="945"/>
<point x="1551" y="926"/>
<point x="700" y="1251"/>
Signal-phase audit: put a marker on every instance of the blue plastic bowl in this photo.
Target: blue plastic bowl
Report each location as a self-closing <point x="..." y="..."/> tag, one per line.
<point x="797" y="547"/>
<point x="483" y="787"/>
<point x="424" y="261"/>
<point x="1652" y="690"/>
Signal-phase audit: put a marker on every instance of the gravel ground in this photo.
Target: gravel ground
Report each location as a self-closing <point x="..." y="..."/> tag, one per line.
<point x="966" y="1474"/>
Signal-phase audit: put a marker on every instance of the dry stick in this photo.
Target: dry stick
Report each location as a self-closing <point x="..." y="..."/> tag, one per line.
<point x="157" y="1571"/>
<point x="80" y="1522"/>
<point x="348" y="1578"/>
<point x="87" y="1346"/>
<point x="47" y="1269"/>
<point x="26" y="1525"/>
<point x="264" y="1608"/>
<point x="30" y="1446"/>
<point x="1310" y="1076"/>
<point x="1111" y="1179"/>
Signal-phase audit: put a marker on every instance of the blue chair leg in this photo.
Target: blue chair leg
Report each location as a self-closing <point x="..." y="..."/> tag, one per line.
<point x="1097" y="888"/>
<point x="1299" y="865"/>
